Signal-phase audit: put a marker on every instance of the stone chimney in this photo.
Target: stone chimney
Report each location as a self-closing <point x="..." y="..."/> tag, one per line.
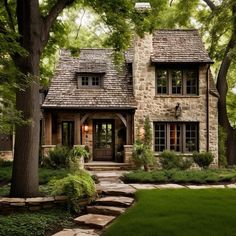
<point x="142" y="55"/>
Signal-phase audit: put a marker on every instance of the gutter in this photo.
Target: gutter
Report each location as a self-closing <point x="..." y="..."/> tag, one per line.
<point x="207" y="107"/>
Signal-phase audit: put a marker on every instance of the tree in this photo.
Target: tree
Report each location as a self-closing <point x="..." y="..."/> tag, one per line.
<point x="33" y="22"/>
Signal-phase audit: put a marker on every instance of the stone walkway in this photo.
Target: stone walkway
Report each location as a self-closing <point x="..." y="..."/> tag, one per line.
<point x="115" y="198"/>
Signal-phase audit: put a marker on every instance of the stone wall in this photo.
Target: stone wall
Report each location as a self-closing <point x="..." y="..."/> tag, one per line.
<point x="162" y="107"/>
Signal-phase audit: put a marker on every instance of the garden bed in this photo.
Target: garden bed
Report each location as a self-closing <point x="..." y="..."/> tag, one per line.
<point x="210" y="176"/>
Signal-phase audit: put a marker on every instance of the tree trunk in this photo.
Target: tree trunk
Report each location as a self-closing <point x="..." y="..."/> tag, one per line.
<point x="222" y="88"/>
<point x="25" y="164"/>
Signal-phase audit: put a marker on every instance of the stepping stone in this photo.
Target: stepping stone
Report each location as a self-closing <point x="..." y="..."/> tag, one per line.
<point x="108" y="174"/>
<point x="76" y="232"/>
<point x="105" y="210"/>
<point x="115" y="201"/>
<point x="196" y="186"/>
<point x="204" y="186"/>
<point x="170" y="186"/>
<point x="94" y="220"/>
<point x="119" y="191"/>
<point x="231" y="186"/>
<point x="143" y="186"/>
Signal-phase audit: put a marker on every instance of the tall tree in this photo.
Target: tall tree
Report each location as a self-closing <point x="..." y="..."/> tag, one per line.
<point x="33" y="23"/>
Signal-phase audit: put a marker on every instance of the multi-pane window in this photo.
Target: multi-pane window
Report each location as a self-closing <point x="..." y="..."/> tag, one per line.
<point x="177" y="81"/>
<point x="91" y="81"/>
<point x="178" y="137"/>
<point x="68" y="133"/>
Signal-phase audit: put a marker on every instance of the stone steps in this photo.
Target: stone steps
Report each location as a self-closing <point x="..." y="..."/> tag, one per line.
<point x="105" y="210"/>
<point x="117" y="201"/>
<point x="95" y="221"/>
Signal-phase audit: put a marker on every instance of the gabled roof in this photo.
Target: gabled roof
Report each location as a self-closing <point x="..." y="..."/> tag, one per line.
<point x="178" y="46"/>
<point x="64" y="92"/>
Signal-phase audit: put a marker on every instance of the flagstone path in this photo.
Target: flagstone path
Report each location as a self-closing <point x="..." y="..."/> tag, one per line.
<point x="115" y="198"/>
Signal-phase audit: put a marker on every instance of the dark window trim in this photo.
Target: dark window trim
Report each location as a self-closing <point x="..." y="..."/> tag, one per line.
<point x="184" y="70"/>
<point x="182" y="135"/>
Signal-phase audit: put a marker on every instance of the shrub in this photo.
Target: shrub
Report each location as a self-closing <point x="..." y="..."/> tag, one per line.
<point x="203" y="159"/>
<point x="57" y="158"/>
<point x="185" y="162"/>
<point x="75" y="186"/>
<point x="169" y="160"/>
<point x="142" y="155"/>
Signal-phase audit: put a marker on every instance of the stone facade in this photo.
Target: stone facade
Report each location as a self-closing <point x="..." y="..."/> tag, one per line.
<point x="162" y="107"/>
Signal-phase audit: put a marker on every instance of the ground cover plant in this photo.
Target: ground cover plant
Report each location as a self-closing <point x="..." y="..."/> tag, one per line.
<point x="178" y="213"/>
<point x="44" y="222"/>
<point x="182" y="176"/>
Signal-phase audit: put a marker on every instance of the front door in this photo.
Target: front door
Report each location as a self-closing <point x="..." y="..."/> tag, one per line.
<point x="103" y="140"/>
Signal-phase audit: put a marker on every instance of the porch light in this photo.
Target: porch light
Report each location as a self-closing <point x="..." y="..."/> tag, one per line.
<point x="86" y="128"/>
<point x="178" y="111"/>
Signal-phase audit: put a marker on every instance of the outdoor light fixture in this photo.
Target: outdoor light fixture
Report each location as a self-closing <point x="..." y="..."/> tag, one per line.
<point x="86" y="127"/>
<point x="178" y="111"/>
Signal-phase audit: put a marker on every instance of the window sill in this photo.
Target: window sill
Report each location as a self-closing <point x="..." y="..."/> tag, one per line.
<point x="176" y="96"/>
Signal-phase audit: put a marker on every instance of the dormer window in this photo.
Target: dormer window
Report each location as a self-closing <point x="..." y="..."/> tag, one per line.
<point x="89" y="80"/>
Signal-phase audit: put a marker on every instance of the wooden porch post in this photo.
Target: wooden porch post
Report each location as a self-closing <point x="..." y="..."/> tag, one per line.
<point x="129" y="135"/>
<point x="77" y="130"/>
<point x="48" y="128"/>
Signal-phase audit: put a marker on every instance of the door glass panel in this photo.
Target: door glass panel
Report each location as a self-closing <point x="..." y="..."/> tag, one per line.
<point x="103" y="135"/>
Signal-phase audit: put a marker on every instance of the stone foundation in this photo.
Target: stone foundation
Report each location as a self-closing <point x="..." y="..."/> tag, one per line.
<point x="128" y="150"/>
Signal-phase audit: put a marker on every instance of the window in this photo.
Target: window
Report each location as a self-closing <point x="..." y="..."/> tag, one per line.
<point x="68" y="133"/>
<point x="91" y="81"/>
<point x="177" y="82"/>
<point x="178" y="137"/>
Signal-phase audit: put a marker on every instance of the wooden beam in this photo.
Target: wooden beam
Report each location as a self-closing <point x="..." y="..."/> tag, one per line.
<point x="122" y="119"/>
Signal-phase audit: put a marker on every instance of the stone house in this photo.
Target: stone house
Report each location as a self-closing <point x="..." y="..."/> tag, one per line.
<point x="166" y="76"/>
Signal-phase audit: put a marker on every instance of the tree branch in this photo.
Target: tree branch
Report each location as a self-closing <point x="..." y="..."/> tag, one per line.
<point x="210" y="4"/>
<point x="11" y="22"/>
<point x="51" y="17"/>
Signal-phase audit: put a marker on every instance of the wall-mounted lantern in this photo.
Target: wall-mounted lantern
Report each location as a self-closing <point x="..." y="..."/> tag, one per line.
<point x="178" y="111"/>
<point x="86" y="128"/>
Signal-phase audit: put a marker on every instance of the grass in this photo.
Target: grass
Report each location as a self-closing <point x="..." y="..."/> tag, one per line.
<point x="182" y="176"/>
<point x="209" y="212"/>
<point x="44" y="222"/>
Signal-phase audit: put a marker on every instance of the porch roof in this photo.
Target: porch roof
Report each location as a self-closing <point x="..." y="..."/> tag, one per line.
<point x="65" y="93"/>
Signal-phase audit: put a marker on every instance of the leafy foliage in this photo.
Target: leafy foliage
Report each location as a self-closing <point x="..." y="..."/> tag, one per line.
<point x="181" y="176"/>
<point x="142" y="151"/>
<point x="203" y="159"/>
<point x="34" y="224"/>
<point x="221" y="147"/>
<point x="171" y="160"/>
<point x="75" y="186"/>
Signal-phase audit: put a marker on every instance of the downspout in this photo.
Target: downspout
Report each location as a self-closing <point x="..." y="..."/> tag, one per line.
<point x="207" y="107"/>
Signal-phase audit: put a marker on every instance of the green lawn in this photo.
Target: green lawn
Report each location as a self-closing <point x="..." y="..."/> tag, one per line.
<point x="179" y="212"/>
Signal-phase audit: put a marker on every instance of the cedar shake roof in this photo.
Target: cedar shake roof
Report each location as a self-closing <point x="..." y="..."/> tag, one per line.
<point x="178" y="46"/>
<point x="65" y="93"/>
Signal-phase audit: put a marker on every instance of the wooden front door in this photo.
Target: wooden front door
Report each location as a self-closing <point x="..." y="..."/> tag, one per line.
<point x="103" y="140"/>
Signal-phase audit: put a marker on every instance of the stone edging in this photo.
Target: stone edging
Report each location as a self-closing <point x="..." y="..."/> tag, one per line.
<point x="9" y="205"/>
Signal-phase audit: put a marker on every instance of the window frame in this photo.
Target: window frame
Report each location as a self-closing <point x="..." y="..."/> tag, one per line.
<point x="169" y="89"/>
<point x="90" y="77"/>
<point x="182" y="138"/>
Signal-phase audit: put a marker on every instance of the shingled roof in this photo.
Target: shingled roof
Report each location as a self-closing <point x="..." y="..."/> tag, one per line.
<point x="178" y="46"/>
<point x="64" y="92"/>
